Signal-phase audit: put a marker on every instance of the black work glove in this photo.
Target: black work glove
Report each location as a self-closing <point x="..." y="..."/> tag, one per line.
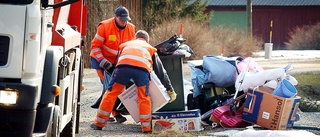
<point x="112" y="68"/>
<point x="105" y="64"/>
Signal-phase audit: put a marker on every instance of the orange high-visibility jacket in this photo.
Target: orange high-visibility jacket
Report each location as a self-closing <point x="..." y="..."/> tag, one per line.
<point x="137" y="53"/>
<point x="105" y="43"/>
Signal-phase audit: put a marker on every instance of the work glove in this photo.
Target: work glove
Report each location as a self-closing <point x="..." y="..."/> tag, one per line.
<point x="172" y="95"/>
<point x="113" y="66"/>
<point x="105" y="64"/>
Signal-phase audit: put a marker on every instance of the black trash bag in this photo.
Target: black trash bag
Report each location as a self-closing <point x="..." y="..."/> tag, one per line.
<point x="168" y="46"/>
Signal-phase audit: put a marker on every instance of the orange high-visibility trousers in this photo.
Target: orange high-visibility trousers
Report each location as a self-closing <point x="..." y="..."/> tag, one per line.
<point x="107" y="103"/>
<point x="122" y="76"/>
<point x="144" y="104"/>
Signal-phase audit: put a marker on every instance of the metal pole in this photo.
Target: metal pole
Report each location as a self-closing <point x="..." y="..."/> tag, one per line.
<point x="271" y="31"/>
<point x="180" y="30"/>
<point x="249" y="17"/>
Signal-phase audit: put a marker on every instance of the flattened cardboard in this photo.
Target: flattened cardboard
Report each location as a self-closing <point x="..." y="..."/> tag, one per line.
<point x="177" y="120"/>
<point x="158" y="94"/>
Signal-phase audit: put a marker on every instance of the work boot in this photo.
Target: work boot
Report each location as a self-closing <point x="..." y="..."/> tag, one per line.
<point x="95" y="127"/>
<point x="111" y="119"/>
<point x="147" y="131"/>
<point x="96" y="105"/>
<point x="120" y="118"/>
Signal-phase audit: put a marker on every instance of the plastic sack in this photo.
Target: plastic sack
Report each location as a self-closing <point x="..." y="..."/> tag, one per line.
<point x="274" y="83"/>
<point x="197" y="76"/>
<point x="252" y="65"/>
<point x="168" y="46"/>
<point x="221" y="71"/>
<point x="183" y="50"/>
<point x="259" y="79"/>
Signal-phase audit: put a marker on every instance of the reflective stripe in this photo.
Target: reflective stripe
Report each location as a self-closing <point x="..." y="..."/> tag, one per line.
<point x="95" y="50"/>
<point x="101" y="120"/>
<point x="104" y="112"/>
<point x="145" y="116"/>
<point x="144" y="124"/>
<point x="98" y="56"/>
<point x="115" y="52"/>
<point x="141" y="59"/>
<point x="99" y="37"/>
<point x="138" y="48"/>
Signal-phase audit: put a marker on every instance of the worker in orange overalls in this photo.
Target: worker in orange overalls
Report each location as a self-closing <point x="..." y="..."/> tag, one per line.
<point x="105" y="50"/>
<point x="135" y="62"/>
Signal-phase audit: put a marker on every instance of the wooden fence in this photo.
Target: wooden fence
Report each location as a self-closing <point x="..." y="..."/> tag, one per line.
<point x="99" y="10"/>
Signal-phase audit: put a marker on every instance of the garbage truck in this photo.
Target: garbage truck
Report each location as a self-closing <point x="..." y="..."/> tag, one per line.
<point x="41" y="67"/>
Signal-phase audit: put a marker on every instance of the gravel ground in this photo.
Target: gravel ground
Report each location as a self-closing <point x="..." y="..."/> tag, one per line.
<point x="130" y="128"/>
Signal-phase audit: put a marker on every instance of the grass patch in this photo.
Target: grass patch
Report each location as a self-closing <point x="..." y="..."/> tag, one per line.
<point x="309" y="90"/>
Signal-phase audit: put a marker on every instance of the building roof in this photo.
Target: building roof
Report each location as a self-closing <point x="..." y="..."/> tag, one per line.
<point x="263" y="2"/>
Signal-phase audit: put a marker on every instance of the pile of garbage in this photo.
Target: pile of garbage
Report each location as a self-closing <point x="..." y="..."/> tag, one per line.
<point x="231" y="92"/>
<point x="237" y="92"/>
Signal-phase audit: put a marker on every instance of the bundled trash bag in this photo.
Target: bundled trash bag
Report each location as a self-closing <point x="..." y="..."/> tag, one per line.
<point x="212" y="69"/>
<point x="174" y="46"/>
<point x="168" y="46"/>
<point x="219" y="70"/>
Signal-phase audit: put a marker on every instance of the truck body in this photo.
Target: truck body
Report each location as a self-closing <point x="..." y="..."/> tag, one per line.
<point x="41" y="67"/>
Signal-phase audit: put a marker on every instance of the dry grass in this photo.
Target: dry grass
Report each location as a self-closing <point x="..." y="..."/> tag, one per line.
<point x="172" y="133"/>
<point x="305" y="38"/>
<point x="197" y="35"/>
<point x="204" y="40"/>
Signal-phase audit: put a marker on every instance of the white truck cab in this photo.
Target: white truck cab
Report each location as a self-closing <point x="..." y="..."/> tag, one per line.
<point x="41" y="66"/>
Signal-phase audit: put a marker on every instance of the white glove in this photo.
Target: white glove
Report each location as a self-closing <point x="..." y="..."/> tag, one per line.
<point x="172" y="95"/>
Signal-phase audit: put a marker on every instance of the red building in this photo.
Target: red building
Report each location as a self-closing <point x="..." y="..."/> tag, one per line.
<point x="284" y="14"/>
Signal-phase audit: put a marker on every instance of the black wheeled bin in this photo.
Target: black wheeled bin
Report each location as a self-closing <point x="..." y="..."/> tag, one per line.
<point x="173" y="66"/>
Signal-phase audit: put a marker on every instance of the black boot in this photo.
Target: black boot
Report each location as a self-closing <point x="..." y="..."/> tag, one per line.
<point x="95" y="127"/>
<point x="120" y="118"/>
<point x="95" y="105"/>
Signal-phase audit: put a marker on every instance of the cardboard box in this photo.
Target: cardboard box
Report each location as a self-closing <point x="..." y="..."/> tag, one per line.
<point x="269" y="111"/>
<point x="158" y="94"/>
<point x="177" y="120"/>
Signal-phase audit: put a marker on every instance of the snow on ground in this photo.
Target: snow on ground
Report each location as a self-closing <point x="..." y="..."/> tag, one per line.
<point x="290" y="54"/>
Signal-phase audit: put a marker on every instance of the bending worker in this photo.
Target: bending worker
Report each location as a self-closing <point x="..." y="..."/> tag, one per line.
<point x="135" y="62"/>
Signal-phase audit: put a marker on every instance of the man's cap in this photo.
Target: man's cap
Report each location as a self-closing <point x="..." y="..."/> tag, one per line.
<point x="123" y="13"/>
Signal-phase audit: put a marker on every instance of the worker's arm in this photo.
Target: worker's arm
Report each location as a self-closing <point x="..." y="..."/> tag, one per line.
<point x="96" y="44"/>
<point x="163" y="76"/>
<point x="98" y="60"/>
<point x="161" y="72"/>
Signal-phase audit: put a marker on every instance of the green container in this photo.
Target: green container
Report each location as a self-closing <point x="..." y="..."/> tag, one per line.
<point x="173" y="66"/>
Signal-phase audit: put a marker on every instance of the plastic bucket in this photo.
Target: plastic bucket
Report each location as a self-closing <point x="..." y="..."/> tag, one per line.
<point x="285" y="89"/>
